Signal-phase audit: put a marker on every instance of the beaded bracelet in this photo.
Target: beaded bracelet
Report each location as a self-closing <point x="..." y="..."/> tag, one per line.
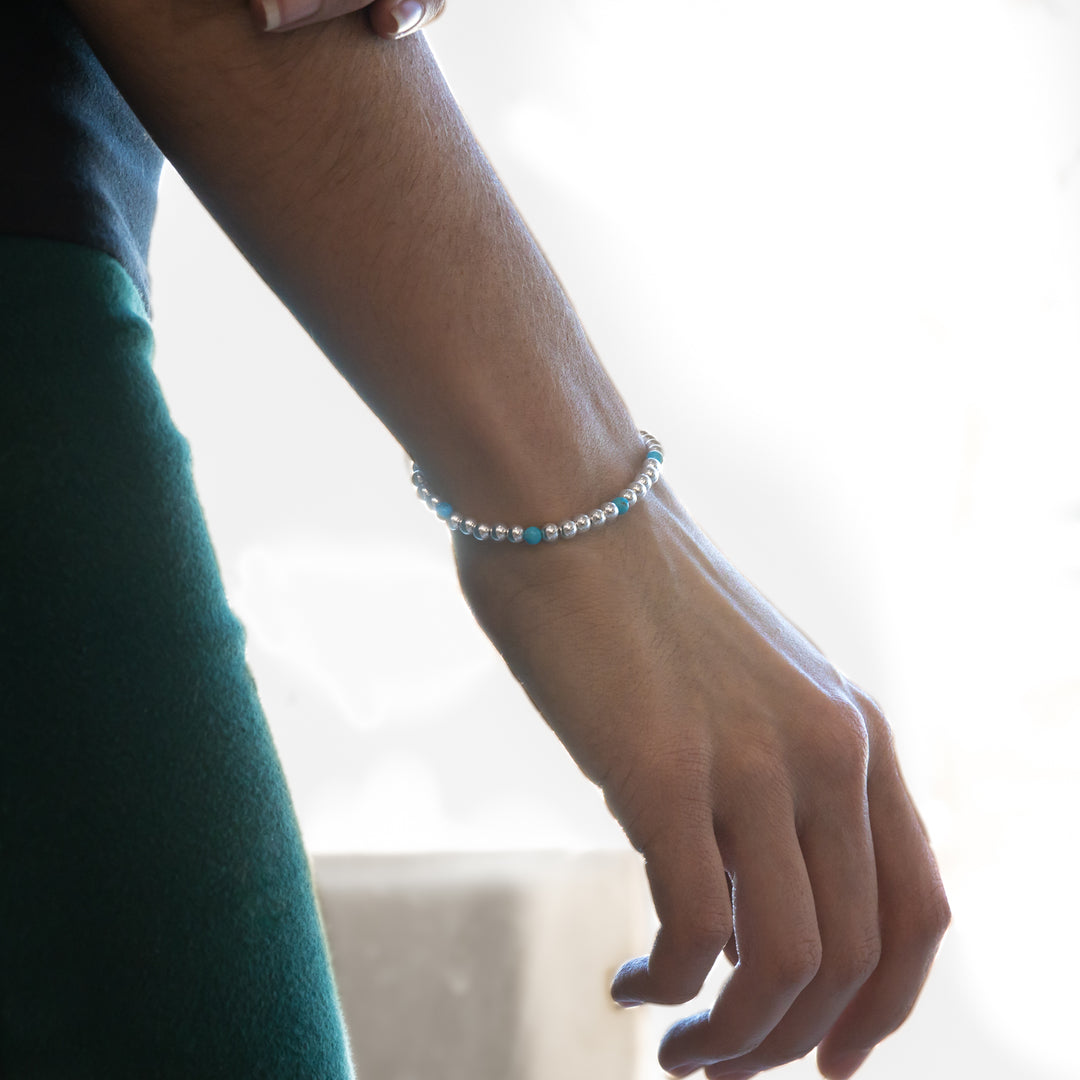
<point x="533" y="534"/>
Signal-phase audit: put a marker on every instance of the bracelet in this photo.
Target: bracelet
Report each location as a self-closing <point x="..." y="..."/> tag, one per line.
<point x="571" y="527"/>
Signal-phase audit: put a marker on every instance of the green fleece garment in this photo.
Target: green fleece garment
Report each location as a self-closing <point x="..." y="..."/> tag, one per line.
<point x="156" y="912"/>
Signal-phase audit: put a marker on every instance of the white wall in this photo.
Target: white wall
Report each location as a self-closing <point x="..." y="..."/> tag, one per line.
<point x="830" y="253"/>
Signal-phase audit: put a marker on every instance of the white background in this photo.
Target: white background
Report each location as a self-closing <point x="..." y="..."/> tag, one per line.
<point x="829" y="251"/>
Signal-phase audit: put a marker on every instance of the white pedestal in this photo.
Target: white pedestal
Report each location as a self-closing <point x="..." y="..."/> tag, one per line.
<point x="485" y="966"/>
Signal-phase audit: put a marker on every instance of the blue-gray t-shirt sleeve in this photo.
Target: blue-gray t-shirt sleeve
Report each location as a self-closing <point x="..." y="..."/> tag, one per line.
<point x="76" y="163"/>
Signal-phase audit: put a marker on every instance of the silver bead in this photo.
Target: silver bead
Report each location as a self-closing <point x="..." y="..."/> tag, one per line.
<point x="629" y="496"/>
<point x="598" y="517"/>
<point x="653" y="469"/>
<point x="517" y="534"/>
<point x="454" y="522"/>
<point x="499" y="533"/>
<point x="433" y="500"/>
<point x="481" y="531"/>
<point x="418" y="478"/>
<point x="423" y="493"/>
<point x="645" y="480"/>
<point x="583" y="521"/>
<point x="467" y="526"/>
<point x="568" y="530"/>
<point x="551" y="532"/>
<point x="638" y="488"/>
<point x="609" y="510"/>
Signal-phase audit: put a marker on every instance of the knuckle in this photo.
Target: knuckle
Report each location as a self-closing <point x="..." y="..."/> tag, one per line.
<point x="671" y="797"/>
<point x="857" y="962"/>
<point x="837" y="746"/>
<point x="879" y="731"/>
<point x="927" y="921"/>
<point x="890" y="1019"/>
<point x="841" y="720"/>
<point x="795" y="966"/>
<point x="674" y="977"/>
<point x="757" y="777"/>
<point x="682" y="956"/>
<point x="685" y="948"/>
<point x="850" y="738"/>
<point x="864" y="702"/>
<point x="683" y="766"/>
<point x="936" y="917"/>
<point x="707" y="933"/>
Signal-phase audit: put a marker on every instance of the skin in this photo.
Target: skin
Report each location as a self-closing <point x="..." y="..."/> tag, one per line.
<point x="386" y="17"/>
<point x="761" y="787"/>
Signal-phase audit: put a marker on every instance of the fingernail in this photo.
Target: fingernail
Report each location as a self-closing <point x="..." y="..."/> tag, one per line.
<point x="847" y="1064"/>
<point x="277" y="14"/>
<point x="627" y="1002"/>
<point x="407" y="14"/>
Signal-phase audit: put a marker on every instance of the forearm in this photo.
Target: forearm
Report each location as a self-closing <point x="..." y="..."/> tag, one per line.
<point x="342" y="168"/>
<point x="759" y="783"/>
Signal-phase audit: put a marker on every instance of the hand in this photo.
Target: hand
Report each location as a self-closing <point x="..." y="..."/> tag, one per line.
<point x="760" y="785"/>
<point x="389" y="19"/>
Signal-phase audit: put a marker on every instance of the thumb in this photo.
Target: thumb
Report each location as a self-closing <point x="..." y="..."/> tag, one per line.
<point x="389" y="18"/>
<point x="290" y="14"/>
<point x="398" y="18"/>
<point x="690" y="894"/>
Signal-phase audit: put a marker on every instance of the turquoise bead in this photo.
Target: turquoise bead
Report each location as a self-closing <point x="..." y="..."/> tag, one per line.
<point x="444" y="510"/>
<point x="622" y="504"/>
<point x="655" y="455"/>
<point x="533" y="535"/>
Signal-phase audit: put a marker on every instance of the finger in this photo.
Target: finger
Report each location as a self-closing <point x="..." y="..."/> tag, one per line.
<point x="389" y="18"/>
<point x="779" y="949"/>
<point x="690" y="894"/>
<point x="395" y="19"/>
<point x="839" y="855"/>
<point x="291" y="14"/>
<point x="914" y="914"/>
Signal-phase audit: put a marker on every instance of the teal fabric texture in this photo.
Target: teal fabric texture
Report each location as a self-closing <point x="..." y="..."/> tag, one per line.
<point x="156" y="912"/>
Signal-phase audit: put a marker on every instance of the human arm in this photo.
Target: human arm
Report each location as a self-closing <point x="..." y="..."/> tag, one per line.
<point x="343" y="170"/>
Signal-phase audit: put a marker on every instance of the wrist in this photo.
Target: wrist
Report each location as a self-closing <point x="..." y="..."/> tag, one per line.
<point x="508" y="588"/>
<point x="565" y="526"/>
<point x="553" y="451"/>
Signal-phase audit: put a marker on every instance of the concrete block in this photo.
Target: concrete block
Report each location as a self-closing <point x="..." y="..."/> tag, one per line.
<point x="485" y="966"/>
